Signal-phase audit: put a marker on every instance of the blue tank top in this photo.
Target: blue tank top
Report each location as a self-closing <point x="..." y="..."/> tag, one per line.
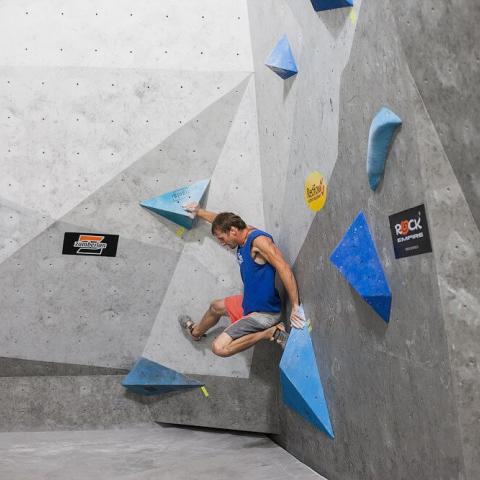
<point x="259" y="292"/>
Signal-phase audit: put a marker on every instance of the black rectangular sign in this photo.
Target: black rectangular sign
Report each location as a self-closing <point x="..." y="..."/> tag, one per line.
<point x="99" y="244"/>
<point x="410" y="233"/>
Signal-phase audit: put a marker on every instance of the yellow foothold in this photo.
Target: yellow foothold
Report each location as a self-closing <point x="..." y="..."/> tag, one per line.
<point x="353" y="16"/>
<point x="180" y="232"/>
<point x="309" y="325"/>
<point x="204" y="391"/>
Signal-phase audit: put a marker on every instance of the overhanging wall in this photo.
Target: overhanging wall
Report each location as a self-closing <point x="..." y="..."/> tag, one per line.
<point x="98" y="117"/>
<point x="403" y="397"/>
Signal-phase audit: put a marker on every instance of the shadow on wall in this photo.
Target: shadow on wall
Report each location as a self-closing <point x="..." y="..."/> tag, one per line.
<point x="377" y="327"/>
<point x="334" y="20"/>
<point x="287" y="86"/>
<point x="387" y="167"/>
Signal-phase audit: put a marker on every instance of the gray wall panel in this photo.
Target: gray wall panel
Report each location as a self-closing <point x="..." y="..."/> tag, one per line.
<point x="67" y="403"/>
<point x="18" y="367"/>
<point x="440" y="41"/>
<point x="403" y="397"/>
<point x="81" y="309"/>
<point x="458" y="268"/>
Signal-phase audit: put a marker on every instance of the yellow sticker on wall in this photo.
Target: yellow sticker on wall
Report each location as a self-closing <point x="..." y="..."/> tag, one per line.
<point x="315" y="191"/>
<point x="353" y="16"/>
<point x="180" y="231"/>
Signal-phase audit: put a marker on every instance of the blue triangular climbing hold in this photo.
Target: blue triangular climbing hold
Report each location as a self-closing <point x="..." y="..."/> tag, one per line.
<point x="380" y="137"/>
<point x="302" y="388"/>
<point x="150" y="378"/>
<point x="169" y="205"/>
<point x="281" y="59"/>
<point x="357" y="259"/>
<point x="319" y="5"/>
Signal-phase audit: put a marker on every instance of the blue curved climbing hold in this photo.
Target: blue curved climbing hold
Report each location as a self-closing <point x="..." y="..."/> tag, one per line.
<point x="302" y="388"/>
<point x="281" y="59"/>
<point x="169" y="205"/>
<point x="320" y="5"/>
<point x="380" y="138"/>
<point x="357" y="260"/>
<point x="150" y="378"/>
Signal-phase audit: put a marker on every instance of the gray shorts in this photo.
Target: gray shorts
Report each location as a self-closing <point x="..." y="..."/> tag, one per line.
<point x="254" y="322"/>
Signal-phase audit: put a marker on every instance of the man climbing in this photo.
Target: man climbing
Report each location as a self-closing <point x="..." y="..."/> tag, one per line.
<point x="255" y="315"/>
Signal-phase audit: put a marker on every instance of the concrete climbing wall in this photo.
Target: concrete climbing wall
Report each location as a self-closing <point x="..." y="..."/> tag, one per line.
<point x="105" y="104"/>
<point x="443" y="72"/>
<point x="404" y="397"/>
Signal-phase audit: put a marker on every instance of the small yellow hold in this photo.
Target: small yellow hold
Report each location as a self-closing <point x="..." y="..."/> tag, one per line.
<point x="180" y="232"/>
<point x="309" y="325"/>
<point x="353" y="16"/>
<point x="204" y="391"/>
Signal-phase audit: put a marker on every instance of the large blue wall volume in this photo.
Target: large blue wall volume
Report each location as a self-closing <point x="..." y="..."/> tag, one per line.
<point x="320" y="5"/>
<point x="169" y="205"/>
<point x="281" y="59"/>
<point x="150" y="378"/>
<point x="357" y="259"/>
<point x="302" y="388"/>
<point x="382" y="130"/>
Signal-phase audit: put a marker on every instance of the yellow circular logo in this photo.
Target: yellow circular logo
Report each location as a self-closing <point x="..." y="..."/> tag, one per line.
<point x="315" y="191"/>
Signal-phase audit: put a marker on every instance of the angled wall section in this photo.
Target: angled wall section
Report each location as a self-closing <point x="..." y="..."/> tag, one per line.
<point x="445" y="70"/>
<point x="108" y="116"/>
<point x="299" y="120"/>
<point x="140" y="100"/>
<point x="402" y="397"/>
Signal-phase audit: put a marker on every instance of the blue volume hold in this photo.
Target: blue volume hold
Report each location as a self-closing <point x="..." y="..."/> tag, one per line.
<point x="281" y="59"/>
<point x="169" y="205"/>
<point x="302" y="388"/>
<point x="357" y="259"/>
<point x="150" y="378"/>
<point x="320" y="5"/>
<point x="380" y="138"/>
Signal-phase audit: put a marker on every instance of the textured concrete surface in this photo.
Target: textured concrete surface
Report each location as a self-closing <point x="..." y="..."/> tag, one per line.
<point x="155" y="452"/>
<point x="248" y="404"/>
<point x="106" y="104"/>
<point x="456" y="261"/>
<point x="41" y="403"/>
<point x="445" y="69"/>
<point x="77" y="127"/>
<point x="93" y="311"/>
<point x="106" y="117"/>
<point x="275" y="123"/>
<point x="187" y="155"/>
<point x="175" y="35"/>
<point x="309" y="120"/>
<point x="18" y="367"/>
<point x="205" y="271"/>
<point x="398" y="395"/>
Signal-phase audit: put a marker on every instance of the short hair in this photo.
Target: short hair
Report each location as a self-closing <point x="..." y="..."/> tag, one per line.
<point x="225" y="221"/>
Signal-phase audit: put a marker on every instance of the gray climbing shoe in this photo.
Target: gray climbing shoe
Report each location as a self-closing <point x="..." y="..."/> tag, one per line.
<point x="187" y="325"/>
<point x="280" y="337"/>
